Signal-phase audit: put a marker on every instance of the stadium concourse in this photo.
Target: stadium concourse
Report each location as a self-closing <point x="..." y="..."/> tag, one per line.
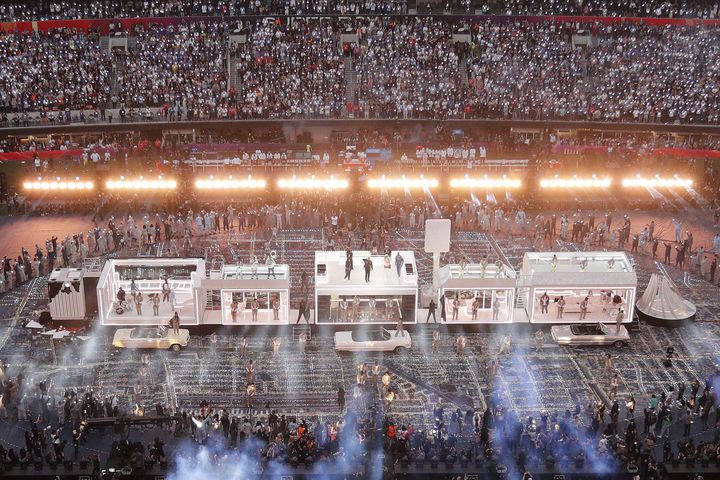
<point x="178" y="154"/>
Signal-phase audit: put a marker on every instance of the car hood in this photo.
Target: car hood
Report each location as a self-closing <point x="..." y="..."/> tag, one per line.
<point x="561" y="331"/>
<point x="343" y="337"/>
<point x="183" y="335"/>
<point x="122" y="334"/>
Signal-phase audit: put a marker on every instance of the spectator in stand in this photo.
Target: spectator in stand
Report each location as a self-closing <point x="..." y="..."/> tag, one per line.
<point x="628" y="73"/>
<point x="179" y="69"/>
<point x="290" y="71"/>
<point x="398" y="58"/>
<point x="15" y="10"/>
<point x="639" y="73"/>
<point x="62" y="69"/>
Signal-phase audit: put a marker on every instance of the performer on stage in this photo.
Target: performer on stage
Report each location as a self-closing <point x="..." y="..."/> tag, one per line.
<point x="348" y="267"/>
<point x="431" y="311"/>
<point x="399" y="262"/>
<point x="367" y="264"/>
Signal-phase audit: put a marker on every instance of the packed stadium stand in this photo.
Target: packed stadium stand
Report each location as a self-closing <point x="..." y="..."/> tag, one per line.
<point x="370" y="67"/>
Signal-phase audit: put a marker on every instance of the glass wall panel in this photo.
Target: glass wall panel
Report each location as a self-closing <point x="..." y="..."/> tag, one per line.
<point x="582" y="304"/>
<point x="365" y="309"/>
<point x="478" y="305"/>
<point x="247" y="306"/>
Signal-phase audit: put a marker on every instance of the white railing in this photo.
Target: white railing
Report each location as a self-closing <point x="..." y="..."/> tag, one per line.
<point x="249" y="271"/>
<point x="93" y="264"/>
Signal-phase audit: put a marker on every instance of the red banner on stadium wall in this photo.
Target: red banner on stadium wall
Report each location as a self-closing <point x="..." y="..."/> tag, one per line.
<point x="43" y="154"/>
<point x="103" y="25"/>
<point x="83" y="25"/>
<point x="12" y="27"/>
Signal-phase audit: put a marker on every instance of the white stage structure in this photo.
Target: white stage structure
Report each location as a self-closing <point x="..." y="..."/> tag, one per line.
<point x="198" y="296"/>
<point x="67" y="294"/>
<point x="663" y="305"/>
<point x="252" y="295"/>
<point x="383" y="299"/>
<point x="71" y="292"/>
<point x="477" y="294"/>
<point x="437" y="241"/>
<point x="607" y="279"/>
<point x="261" y="296"/>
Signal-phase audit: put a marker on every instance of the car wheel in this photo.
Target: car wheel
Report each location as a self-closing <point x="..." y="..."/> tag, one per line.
<point x="400" y="350"/>
<point x="175" y="347"/>
<point x="619" y="344"/>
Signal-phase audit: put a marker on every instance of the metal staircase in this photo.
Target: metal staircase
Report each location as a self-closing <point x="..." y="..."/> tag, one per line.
<point x="464" y="71"/>
<point x="212" y="300"/>
<point x="118" y="69"/>
<point x="520" y="298"/>
<point x="350" y="80"/>
<point x="232" y="72"/>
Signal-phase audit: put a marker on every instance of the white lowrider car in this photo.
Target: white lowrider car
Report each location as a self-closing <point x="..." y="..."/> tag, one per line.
<point x="382" y="340"/>
<point x="590" y="334"/>
<point x="151" y="337"/>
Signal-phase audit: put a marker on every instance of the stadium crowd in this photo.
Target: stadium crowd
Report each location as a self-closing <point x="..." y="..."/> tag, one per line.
<point x="53" y="72"/>
<point x="627" y="72"/>
<point x="287" y="71"/>
<point x="634" y="73"/>
<point x="75" y="9"/>
<point x="180" y="69"/>
<point x="396" y="59"/>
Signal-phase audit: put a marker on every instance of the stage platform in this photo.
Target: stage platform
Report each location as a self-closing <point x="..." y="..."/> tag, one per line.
<point x="184" y="307"/>
<point x="380" y="277"/>
<point x="386" y="297"/>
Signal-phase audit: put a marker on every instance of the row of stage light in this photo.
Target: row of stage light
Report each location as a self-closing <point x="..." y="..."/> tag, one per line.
<point x="330" y="183"/>
<point x="71" y="185"/>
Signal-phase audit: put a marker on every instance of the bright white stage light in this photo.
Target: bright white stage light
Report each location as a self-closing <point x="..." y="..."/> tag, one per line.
<point x="485" y="182"/>
<point x="58" y="185"/>
<point x="141" y="184"/>
<point x="656" y="182"/>
<point x="230" y="183"/>
<point x="402" y="182"/>
<point x="313" y="183"/>
<point x="575" y="182"/>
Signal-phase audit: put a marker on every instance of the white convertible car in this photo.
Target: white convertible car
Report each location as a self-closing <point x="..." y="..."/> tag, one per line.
<point x="151" y="337"/>
<point x="590" y="334"/>
<point x="382" y="340"/>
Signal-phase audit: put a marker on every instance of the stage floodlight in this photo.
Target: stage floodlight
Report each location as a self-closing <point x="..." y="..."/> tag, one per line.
<point x="656" y="182"/>
<point x="230" y="183"/>
<point x="58" y="185"/>
<point x="485" y="182"/>
<point x="313" y="183"/>
<point x="574" y="182"/>
<point x="141" y="183"/>
<point x="402" y="182"/>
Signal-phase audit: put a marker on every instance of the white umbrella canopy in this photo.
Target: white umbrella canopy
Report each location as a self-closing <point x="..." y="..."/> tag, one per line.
<point x="60" y="334"/>
<point x="662" y="301"/>
<point x="49" y="332"/>
<point x="33" y="324"/>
